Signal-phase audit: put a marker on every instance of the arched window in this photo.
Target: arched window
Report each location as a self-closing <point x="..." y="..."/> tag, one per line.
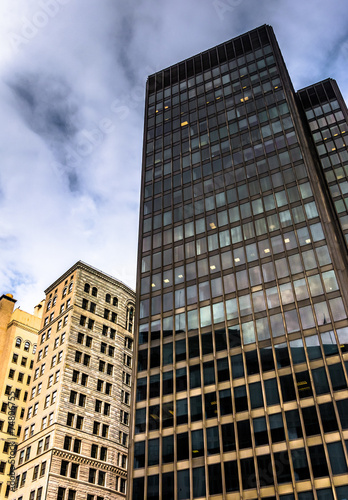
<point x="87" y="287"/>
<point x="18" y="342"/>
<point x="71" y="287"/>
<point x="49" y="305"/>
<point x="54" y="300"/>
<point x="108" y="298"/>
<point x="27" y="346"/>
<point x="115" y="301"/>
<point x="64" y="292"/>
<point x="94" y="291"/>
<point x="34" y="348"/>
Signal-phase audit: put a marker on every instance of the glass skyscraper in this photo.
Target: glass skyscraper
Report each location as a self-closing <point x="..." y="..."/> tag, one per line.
<point x="240" y="387"/>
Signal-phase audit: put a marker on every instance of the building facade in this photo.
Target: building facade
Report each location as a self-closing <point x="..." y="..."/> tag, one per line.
<point x="241" y="366"/>
<point x="74" y="439"/>
<point x="18" y="342"/>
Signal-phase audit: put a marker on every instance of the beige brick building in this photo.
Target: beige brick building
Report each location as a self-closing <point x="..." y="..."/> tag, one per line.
<point x="18" y="342"/>
<point x="74" y="439"/>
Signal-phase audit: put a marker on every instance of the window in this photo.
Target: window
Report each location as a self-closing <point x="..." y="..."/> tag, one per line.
<point x="56" y="377"/>
<point x="47" y="401"/>
<point x="74" y="470"/>
<point x="11" y="374"/>
<point x="24" y="361"/>
<point x="20" y="377"/>
<point x="60" y="356"/>
<point x="80" y="338"/>
<point x="54" y="361"/>
<point x="115" y="301"/>
<point x="105" y="430"/>
<point x="39" y="447"/>
<point x="77" y="446"/>
<point x="59" y="325"/>
<point x="43" y="469"/>
<point x="111" y="351"/>
<point x="94" y="291"/>
<point x="35" y="472"/>
<point x="103" y="348"/>
<point x="36" y="407"/>
<point x="114" y="317"/>
<point x="32" y="429"/>
<point x="47" y="443"/>
<point x="50" y="419"/>
<point x="88" y="341"/>
<point x="39" y="387"/>
<point x="14" y="358"/>
<point x="67" y="443"/>
<point x="43" y="366"/>
<point x="64" y="292"/>
<point x="126" y="378"/>
<point x="92" y="475"/>
<point x="96" y="427"/>
<point x="44" y="423"/>
<point x="92" y="307"/>
<point x="62" y="338"/>
<point x="87" y="288"/>
<point x="108" y="388"/>
<point x="110" y="369"/>
<point x="23" y="479"/>
<point x="61" y="493"/>
<point x="54" y="397"/>
<point x="86" y="359"/>
<point x="94" y="451"/>
<point x="98" y="405"/>
<point x="108" y="298"/>
<point x="103" y="453"/>
<point x="64" y="468"/>
<point x="27" y="453"/>
<point x="128" y="343"/>
<point x="56" y="343"/>
<point x="102" y="366"/>
<point x="50" y="381"/>
<point x="127" y="360"/>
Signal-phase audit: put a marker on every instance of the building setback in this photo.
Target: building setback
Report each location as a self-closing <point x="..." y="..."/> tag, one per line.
<point x="18" y="342"/>
<point x="240" y="375"/>
<point x="74" y="440"/>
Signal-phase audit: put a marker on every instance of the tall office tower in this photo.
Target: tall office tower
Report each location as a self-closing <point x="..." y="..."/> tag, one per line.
<point x="241" y="383"/>
<point x="74" y="440"/>
<point x="18" y="341"/>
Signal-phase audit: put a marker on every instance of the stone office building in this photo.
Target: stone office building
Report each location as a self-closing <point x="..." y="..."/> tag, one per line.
<point x="74" y="440"/>
<point x="241" y="362"/>
<point x="18" y="344"/>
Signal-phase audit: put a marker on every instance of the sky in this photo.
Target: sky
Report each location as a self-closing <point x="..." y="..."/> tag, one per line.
<point x="72" y="81"/>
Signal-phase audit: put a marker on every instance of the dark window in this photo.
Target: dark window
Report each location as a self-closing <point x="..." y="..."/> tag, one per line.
<point x="277" y="427"/>
<point x="311" y="421"/>
<point x="337" y="458"/>
<point x="318" y="460"/>
<point x="231" y="476"/>
<point x="265" y="469"/>
<point x="215" y="479"/>
<point x="213" y="445"/>
<point x="182" y="446"/>
<point x="168" y="449"/>
<point x="260" y="431"/>
<point x="282" y="467"/>
<point x="299" y="461"/>
<point x="244" y="434"/>
<point x="328" y="417"/>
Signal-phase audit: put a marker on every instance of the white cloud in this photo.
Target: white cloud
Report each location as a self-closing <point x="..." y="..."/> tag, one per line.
<point x="72" y="79"/>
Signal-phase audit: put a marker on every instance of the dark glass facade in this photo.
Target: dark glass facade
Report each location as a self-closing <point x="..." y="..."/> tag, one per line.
<point x="240" y="387"/>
